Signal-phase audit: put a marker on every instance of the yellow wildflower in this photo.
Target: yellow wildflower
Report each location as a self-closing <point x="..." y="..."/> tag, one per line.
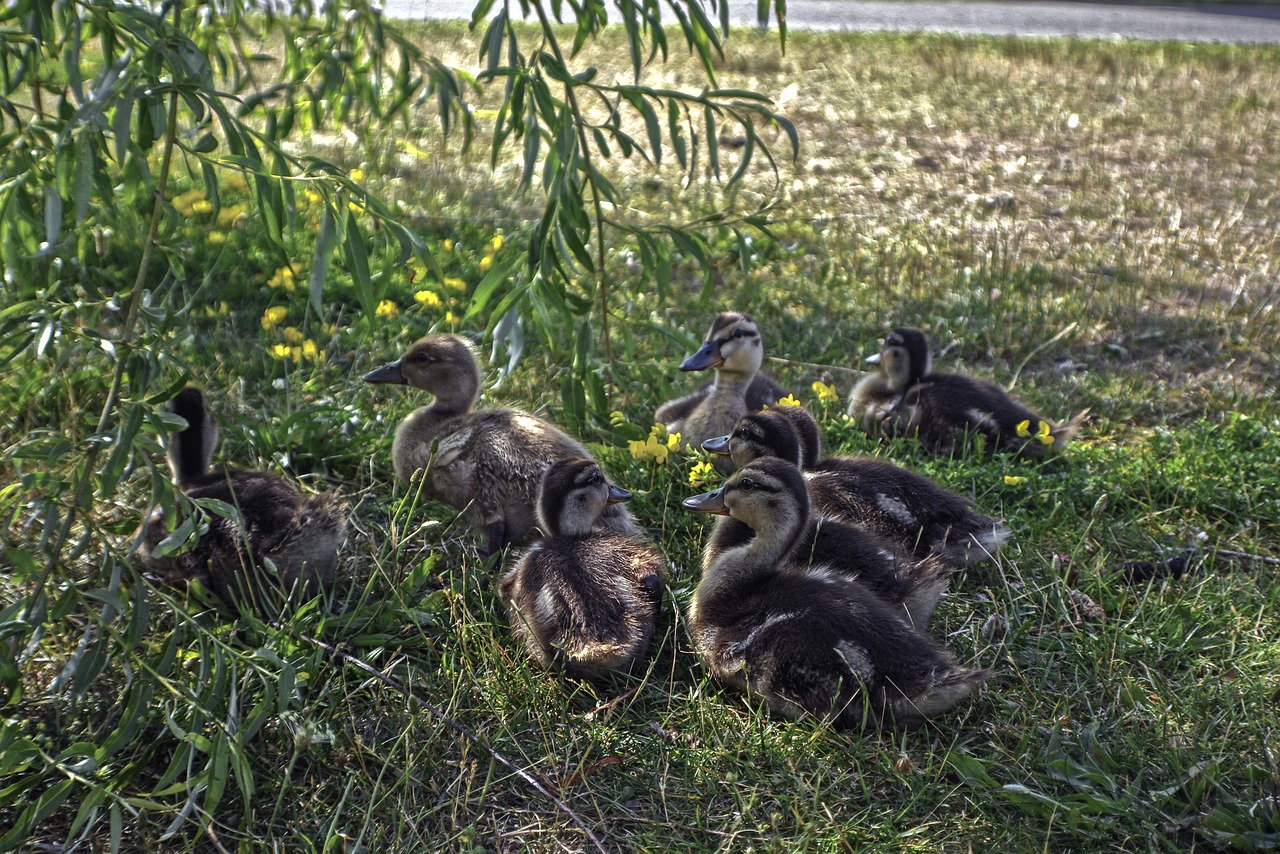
<point x="236" y="181"/>
<point x="284" y="278"/>
<point x="280" y="351"/>
<point x="701" y="474"/>
<point x="355" y="207"/>
<point x="673" y="441"/>
<point x="455" y="284"/>
<point x="386" y="309"/>
<point x="430" y="299"/>
<point x="312" y="197"/>
<point x="217" y="238"/>
<point x="228" y="216"/>
<point x="789" y="400"/>
<point x="825" y="392"/>
<point x="617" y="418"/>
<point x="309" y="349"/>
<point x="274" y="316"/>
<point x="448" y="245"/>
<point x="496" y="243"/>
<point x="1023" y="429"/>
<point x="292" y="336"/>
<point x="485" y="263"/>
<point x="330" y="329"/>
<point x="1044" y="434"/>
<point x="203" y="206"/>
<point x="649" y="449"/>
<point x="357" y="174"/>
<point x="450" y="319"/>
<point x="1013" y="480"/>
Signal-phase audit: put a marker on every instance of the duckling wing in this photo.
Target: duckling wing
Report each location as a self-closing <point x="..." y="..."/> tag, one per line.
<point x="945" y="406"/>
<point x="903" y="506"/>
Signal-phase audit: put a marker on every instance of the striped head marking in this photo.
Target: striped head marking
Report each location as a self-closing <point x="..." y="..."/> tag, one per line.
<point x="905" y="359"/>
<point x="573" y="494"/>
<point x="733" y="343"/>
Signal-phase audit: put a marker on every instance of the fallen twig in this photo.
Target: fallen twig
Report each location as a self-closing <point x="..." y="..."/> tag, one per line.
<point x="1054" y="340"/>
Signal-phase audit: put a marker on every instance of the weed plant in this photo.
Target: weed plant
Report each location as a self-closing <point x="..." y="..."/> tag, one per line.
<point x="1092" y="223"/>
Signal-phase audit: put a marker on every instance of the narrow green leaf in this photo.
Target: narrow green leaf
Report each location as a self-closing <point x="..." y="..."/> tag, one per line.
<point x="324" y="255"/>
<point x="357" y="257"/>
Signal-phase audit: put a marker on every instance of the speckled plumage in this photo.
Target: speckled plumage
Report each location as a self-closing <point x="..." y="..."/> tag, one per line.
<point x="583" y="599"/>
<point x="486" y="463"/>
<point x="906" y="398"/>
<point x="807" y="641"/>
<point x="734" y="348"/>
<point x="282" y="539"/>
<point x="902" y="506"/>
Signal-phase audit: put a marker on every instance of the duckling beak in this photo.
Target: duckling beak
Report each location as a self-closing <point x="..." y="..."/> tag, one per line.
<point x="718" y="446"/>
<point x="707" y="502"/>
<point x="708" y="356"/>
<point x="874" y="359"/>
<point x="617" y="495"/>
<point x="387" y="374"/>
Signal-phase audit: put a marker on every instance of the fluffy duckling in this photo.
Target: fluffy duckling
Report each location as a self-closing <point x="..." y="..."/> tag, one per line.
<point x="904" y="507"/>
<point x="905" y="398"/>
<point x="804" y="639"/>
<point x="735" y="350"/>
<point x="583" y="598"/>
<point x="282" y="539"/>
<point x="486" y="463"/>
<point x="913" y="586"/>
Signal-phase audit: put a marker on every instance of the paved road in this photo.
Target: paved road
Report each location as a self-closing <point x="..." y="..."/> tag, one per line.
<point x="1184" y="23"/>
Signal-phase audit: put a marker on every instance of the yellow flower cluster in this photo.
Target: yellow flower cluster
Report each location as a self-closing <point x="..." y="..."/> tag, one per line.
<point x="826" y="393"/>
<point x="1013" y="479"/>
<point x="1043" y="433"/>
<point x="789" y="400"/>
<point x="305" y="350"/>
<point x="387" y="309"/>
<point x="192" y="202"/>
<point x="490" y="250"/>
<point x="274" y="316"/>
<point x="701" y="474"/>
<point x="657" y="447"/>
<point x="430" y="299"/>
<point x="286" y="277"/>
<point x="231" y="215"/>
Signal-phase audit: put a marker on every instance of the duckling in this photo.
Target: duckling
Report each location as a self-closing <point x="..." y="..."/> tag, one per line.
<point x="281" y="540"/>
<point x="904" y="507"/>
<point x="802" y="638"/>
<point x="486" y="463"/>
<point x="906" y="398"/>
<point x="913" y="586"/>
<point x="735" y="350"/>
<point x="583" y="598"/>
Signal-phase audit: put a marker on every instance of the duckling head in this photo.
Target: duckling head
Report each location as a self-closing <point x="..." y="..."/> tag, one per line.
<point x="769" y="495"/>
<point x="757" y="435"/>
<point x="733" y="345"/>
<point x="573" y="494"/>
<point x="905" y="359"/>
<point x="191" y="449"/>
<point x="444" y="365"/>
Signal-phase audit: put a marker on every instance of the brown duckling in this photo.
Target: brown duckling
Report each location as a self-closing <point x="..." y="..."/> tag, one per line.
<point x="906" y="398"/>
<point x="583" y="599"/>
<point x="280" y="540"/>
<point x="902" y="506"/>
<point x="487" y="463"/>
<point x="735" y="350"/>
<point x="805" y="639"/>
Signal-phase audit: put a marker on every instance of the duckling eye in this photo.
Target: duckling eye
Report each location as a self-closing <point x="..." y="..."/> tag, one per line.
<point x="746" y="484"/>
<point x="423" y="357"/>
<point x="739" y="333"/>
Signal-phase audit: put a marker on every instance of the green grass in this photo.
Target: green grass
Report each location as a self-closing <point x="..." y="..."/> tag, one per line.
<point x="1148" y="233"/>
